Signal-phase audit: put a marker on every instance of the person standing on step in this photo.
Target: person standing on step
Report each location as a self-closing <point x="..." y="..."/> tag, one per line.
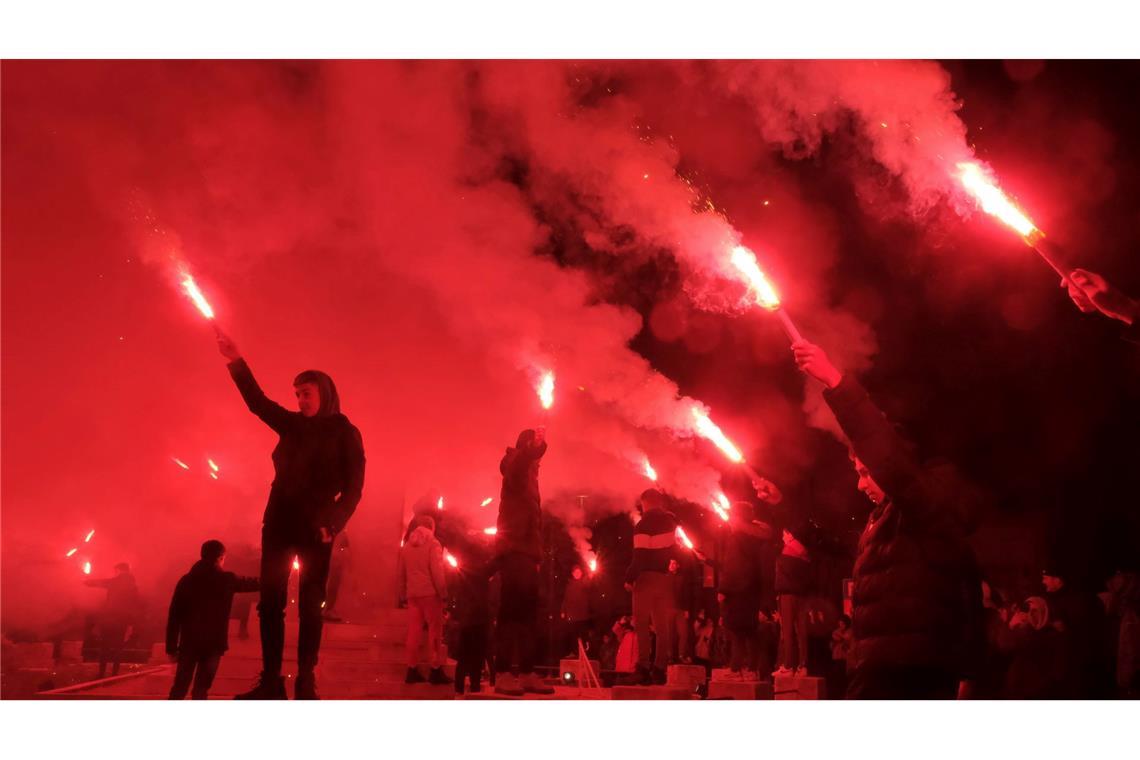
<point x="318" y="478"/>
<point x="653" y="587"/>
<point x="197" y="628"/>
<point x="518" y="539"/>
<point x="423" y="586"/>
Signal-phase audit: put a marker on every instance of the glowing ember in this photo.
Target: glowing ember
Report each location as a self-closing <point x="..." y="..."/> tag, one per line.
<point x="546" y="390"/>
<point x="992" y="199"/>
<point x="90" y="535"/>
<point x="649" y="471"/>
<point x="296" y="563"/>
<point x="450" y="559"/>
<point x="213" y="465"/>
<point x="180" y="463"/>
<point x="439" y="504"/>
<point x="707" y="429"/>
<point x="744" y="260"/>
<point x="196" y="296"/>
<point x="683" y="538"/>
<point x="491" y="531"/>
<point x="486" y="501"/>
<point x="72" y="552"/>
<point x="87" y="568"/>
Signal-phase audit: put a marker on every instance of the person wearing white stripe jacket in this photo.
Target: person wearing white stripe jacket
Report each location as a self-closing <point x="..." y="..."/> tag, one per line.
<point x="653" y="587"/>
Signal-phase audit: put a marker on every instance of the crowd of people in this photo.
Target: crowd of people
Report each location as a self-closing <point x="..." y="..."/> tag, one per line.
<point x="920" y="620"/>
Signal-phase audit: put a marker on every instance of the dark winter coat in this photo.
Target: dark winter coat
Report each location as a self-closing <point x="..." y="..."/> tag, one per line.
<point x="123" y="601"/>
<point x="318" y="464"/>
<point x="917" y="588"/>
<point x="519" y="525"/>
<point x="742" y="568"/>
<point x="199" y="617"/>
<point x="654" y="544"/>
<point x="576" y="600"/>
<point x="794" y="575"/>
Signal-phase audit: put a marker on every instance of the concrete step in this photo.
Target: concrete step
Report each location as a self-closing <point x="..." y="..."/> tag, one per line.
<point x="800" y="687"/>
<point x="740" y="690"/>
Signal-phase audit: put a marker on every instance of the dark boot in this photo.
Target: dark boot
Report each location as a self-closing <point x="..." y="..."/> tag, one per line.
<point x="639" y="677"/>
<point x="306" y="686"/>
<point x="414" y="676"/>
<point x="657" y="677"/>
<point x="438" y="678"/>
<point x="267" y="687"/>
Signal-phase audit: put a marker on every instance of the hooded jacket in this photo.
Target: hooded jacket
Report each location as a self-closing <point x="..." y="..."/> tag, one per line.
<point x="917" y="588"/>
<point x="198" y="622"/>
<point x="518" y="528"/>
<point x="318" y="462"/>
<point x="420" y="568"/>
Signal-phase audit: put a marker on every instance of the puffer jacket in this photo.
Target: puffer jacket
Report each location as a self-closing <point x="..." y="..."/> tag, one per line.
<point x="917" y="587"/>
<point x="420" y="568"/>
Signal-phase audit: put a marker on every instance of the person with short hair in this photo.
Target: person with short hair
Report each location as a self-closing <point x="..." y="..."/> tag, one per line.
<point x="423" y="585"/>
<point x="116" y="620"/>
<point x="197" y="627"/>
<point x="653" y="588"/>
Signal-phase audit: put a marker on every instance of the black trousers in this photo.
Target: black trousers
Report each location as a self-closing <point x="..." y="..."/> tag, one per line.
<point x="893" y="682"/>
<point x="517" y="632"/>
<point x="277" y="553"/>
<point x="111" y="644"/>
<point x="471" y="654"/>
<point x="201" y="668"/>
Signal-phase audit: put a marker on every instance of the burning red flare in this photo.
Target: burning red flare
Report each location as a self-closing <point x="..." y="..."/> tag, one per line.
<point x="491" y="531"/>
<point x="87" y="568"/>
<point x="546" y="390"/>
<point x="721" y="505"/>
<point x="213" y="465"/>
<point x="196" y="296"/>
<point x="593" y="563"/>
<point x="486" y="501"/>
<point x="72" y="552"/>
<point x="296" y="563"/>
<point x="451" y="560"/>
<point x="439" y="504"/>
<point x="684" y="538"/>
<point x="745" y="261"/>
<point x="993" y="201"/>
<point x="180" y="463"/>
<point x="649" y="471"/>
<point x="90" y="535"/>
<point x="707" y="429"/>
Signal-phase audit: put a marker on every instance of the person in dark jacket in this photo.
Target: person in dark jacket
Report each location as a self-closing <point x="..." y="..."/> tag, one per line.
<point x="741" y="589"/>
<point x="653" y="587"/>
<point x="197" y="628"/>
<point x="116" y="620"/>
<point x="917" y="611"/>
<point x="472" y="614"/>
<point x="518" y="539"/>
<point x="318" y="466"/>
<point x="793" y="584"/>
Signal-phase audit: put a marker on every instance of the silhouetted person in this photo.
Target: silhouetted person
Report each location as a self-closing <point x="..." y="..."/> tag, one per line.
<point x="318" y="477"/>
<point x="518" y="541"/>
<point x="472" y="614"/>
<point x="243" y="560"/>
<point x="741" y="589"/>
<point x="197" y="628"/>
<point x="917" y="611"/>
<point x="653" y="587"/>
<point x="117" y="617"/>
<point x="793" y="584"/>
<point x="1079" y="617"/>
<point x="423" y="586"/>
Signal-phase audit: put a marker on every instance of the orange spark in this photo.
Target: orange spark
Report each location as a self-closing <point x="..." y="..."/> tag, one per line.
<point x="486" y="501"/>
<point x="546" y="390"/>
<point x="745" y="261"/>
<point x="72" y="552"/>
<point x="90" y="535"/>
<point x="180" y="463"/>
<point x="993" y="201"/>
<point x="707" y="429"/>
<point x="196" y="296"/>
<point x="214" y="475"/>
<point x="213" y="465"/>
